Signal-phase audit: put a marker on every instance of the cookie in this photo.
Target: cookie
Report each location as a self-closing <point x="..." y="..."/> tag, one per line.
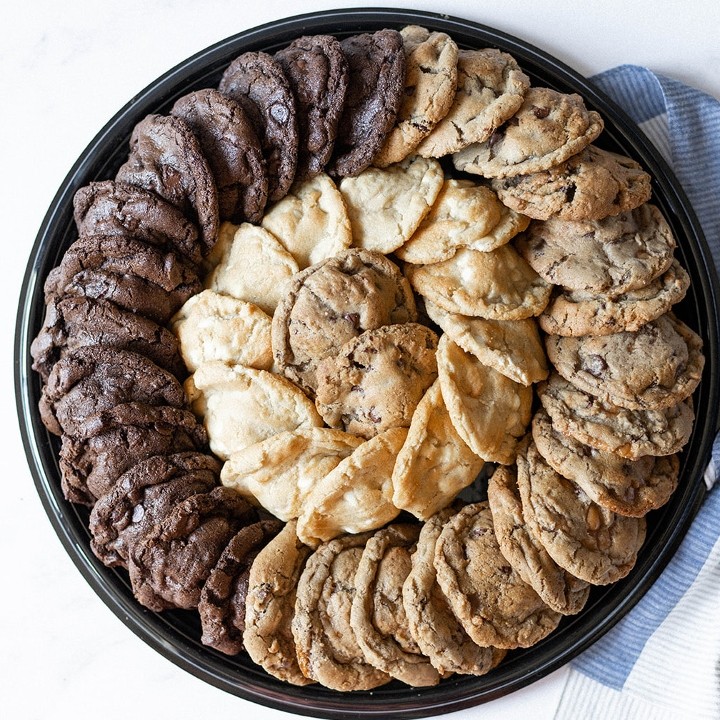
<point x="559" y="589"/>
<point x="142" y="496"/>
<point x="232" y="149"/>
<point x="489" y="411"/>
<point x="166" y="159"/>
<point x="74" y="322"/>
<point x="611" y="256"/>
<point x="280" y="472"/>
<point x="498" y="285"/>
<point x="169" y="565"/>
<point x="589" y="541"/>
<point x="376" y="81"/>
<point x="628" y="433"/>
<point x="495" y="606"/>
<point x="547" y="129"/>
<point x="254" y="267"/>
<point x="317" y="71"/>
<point x="627" y="487"/>
<point x="327" y="650"/>
<point x="270" y="606"/>
<point x="374" y="382"/>
<point x="223" y="596"/>
<point x="386" y="205"/>
<point x="328" y="304"/>
<point x="434" y="463"/>
<point x="431" y="60"/>
<point x="130" y="273"/>
<point x="95" y="378"/>
<point x="490" y="89"/>
<point x="356" y="496"/>
<point x="241" y="406"/>
<point x="431" y="621"/>
<point x="574" y="313"/>
<point x="214" y="327"/>
<point x="258" y="84"/>
<point x="464" y="214"/>
<point x="591" y="185"/>
<point x="377" y="614"/>
<point x="652" y="368"/>
<point x="311" y="221"/>
<point x="108" y="444"/>
<point x="116" y="208"/>
<point x="512" y="347"/>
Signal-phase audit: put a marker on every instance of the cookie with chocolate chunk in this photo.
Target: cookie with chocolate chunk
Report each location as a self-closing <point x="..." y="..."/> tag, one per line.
<point x="166" y="158"/>
<point x="169" y="565"/>
<point x="74" y="322"/>
<point x="232" y="149"/>
<point x="142" y="496"/>
<point x="258" y="84"/>
<point x="116" y="208"/>
<point x="317" y="71"/>
<point x="223" y="597"/>
<point x="376" y="66"/>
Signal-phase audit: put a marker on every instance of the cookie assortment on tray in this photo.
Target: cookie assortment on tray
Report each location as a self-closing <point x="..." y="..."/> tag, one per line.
<point x="320" y="302"/>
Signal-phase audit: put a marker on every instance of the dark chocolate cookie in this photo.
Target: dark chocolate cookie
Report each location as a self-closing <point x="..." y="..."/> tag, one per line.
<point x="166" y="158"/>
<point x="376" y="65"/>
<point x="224" y="594"/>
<point x="108" y="444"/>
<point x="170" y="564"/>
<point x="233" y="151"/>
<point x="317" y="71"/>
<point x="95" y="378"/>
<point x="73" y="322"/>
<point x="256" y="81"/>
<point x="132" y="274"/>
<point x="144" y="495"/>
<point x="115" y="208"/>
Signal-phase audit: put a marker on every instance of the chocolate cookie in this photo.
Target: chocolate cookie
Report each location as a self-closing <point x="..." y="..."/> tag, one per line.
<point x="108" y="444"/>
<point x="591" y="185"/>
<point x="559" y="589"/>
<point x="132" y="274"/>
<point x="166" y="158"/>
<point x="223" y="596"/>
<point x="607" y="427"/>
<point x="270" y="606"/>
<point x="332" y="302"/>
<point x="627" y="487"/>
<point x="432" y="623"/>
<point x="142" y="496"/>
<point x="377" y="615"/>
<point x="575" y="313"/>
<point x="495" y="606"/>
<point x="116" y="208"/>
<point x="95" y="378"/>
<point x="376" y="65"/>
<point x="169" y="565"/>
<point x="327" y="649"/>
<point x="74" y="322"/>
<point x="232" y="149"/>
<point x="257" y="82"/>
<point x="317" y="71"/>
<point x="611" y="256"/>
<point x="653" y="368"/>
<point x="589" y="541"/>
<point x="375" y="381"/>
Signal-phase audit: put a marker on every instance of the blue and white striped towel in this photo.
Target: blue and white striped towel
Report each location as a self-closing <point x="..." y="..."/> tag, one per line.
<point x="662" y="661"/>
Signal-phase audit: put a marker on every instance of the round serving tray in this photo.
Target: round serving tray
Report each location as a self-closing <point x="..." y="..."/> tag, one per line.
<point x="175" y="634"/>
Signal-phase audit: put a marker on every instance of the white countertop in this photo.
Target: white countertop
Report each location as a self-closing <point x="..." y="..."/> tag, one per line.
<point x="66" y="69"/>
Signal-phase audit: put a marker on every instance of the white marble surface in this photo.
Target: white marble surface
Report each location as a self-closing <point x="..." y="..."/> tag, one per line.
<point x="66" y="69"/>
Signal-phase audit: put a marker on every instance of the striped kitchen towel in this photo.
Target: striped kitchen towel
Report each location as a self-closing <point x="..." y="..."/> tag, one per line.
<point x="662" y="660"/>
